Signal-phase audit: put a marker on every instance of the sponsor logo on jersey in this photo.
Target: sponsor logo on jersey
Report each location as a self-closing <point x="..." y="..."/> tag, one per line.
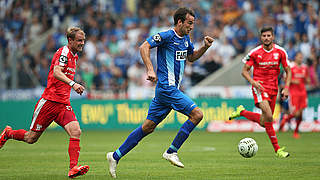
<point x="157" y="38"/>
<point x="268" y="63"/>
<point x="181" y="55"/>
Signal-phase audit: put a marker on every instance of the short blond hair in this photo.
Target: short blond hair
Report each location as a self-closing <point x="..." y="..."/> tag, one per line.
<point x="72" y="31"/>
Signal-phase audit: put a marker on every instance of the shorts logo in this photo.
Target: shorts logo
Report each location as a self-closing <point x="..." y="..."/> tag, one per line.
<point x="38" y="127"/>
<point x="157" y="38"/>
<point x="265" y="94"/>
<point x="69" y="108"/>
<point x="181" y="55"/>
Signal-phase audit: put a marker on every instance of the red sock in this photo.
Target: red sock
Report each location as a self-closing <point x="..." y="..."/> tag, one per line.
<point x="285" y="119"/>
<point x="74" y="151"/>
<point x="298" y="124"/>
<point x="272" y="135"/>
<point x="17" y="134"/>
<point x="255" y="117"/>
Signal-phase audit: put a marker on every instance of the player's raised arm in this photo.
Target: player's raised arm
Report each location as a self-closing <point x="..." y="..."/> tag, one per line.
<point x="198" y="53"/>
<point x="58" y="74"/>
<point x="145" y="55"/>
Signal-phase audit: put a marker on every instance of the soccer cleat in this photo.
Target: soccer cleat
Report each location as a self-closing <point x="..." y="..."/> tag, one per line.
<point x="173" y="158"/>
<point x="236" y="113"/>
<point x="112" y="164"/>
<point x="281" y="153"/>
<point x="4" y="136"/>
<point x="78" y="171"/>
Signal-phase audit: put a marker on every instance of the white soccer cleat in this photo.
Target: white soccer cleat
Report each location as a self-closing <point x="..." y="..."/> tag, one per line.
<point x="112" y="164"/>
<point x="173" y="158"/>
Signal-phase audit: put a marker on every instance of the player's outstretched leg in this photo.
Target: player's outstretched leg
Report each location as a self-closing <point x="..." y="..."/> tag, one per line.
<point x="78" y="171"/>
<point x="241" y="111"/>
<point x="4" y="136"/>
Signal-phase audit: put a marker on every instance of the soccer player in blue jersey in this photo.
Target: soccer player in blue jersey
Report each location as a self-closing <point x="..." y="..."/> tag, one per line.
<point x="174" y="49"/>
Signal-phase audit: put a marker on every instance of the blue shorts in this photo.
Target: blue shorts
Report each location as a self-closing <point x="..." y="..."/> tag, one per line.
<point x="167" y="99"/>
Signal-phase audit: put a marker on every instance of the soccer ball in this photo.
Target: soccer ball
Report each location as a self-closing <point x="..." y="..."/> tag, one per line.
<point x="247" y="147"/>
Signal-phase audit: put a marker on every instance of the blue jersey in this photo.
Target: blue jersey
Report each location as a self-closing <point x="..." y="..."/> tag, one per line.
<point x="172" y="54"/>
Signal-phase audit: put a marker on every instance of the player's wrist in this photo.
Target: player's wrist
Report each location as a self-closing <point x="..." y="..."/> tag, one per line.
<point x="286" y="87"/>
<point x="71" y="83"/>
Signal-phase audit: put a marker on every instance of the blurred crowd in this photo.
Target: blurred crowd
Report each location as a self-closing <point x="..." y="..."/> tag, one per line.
<point x="115" y="29"/>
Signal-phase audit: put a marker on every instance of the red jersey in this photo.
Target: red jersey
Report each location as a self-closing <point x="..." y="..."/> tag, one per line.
<point x="266" y="66"/>
<point x="299" y="73"/>
<point x="57" y="90"/>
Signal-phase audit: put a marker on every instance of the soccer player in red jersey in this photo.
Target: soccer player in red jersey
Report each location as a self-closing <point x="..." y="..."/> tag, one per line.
<point x="54" y="105"/>
<point x="266" y="60"/>
<point x="297" y="92"/>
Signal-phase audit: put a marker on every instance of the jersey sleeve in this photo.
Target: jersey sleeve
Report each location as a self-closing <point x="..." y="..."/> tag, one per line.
<point x="60" y="58"/>
<point x="158" y="39"/>
<point x="248" y="59"/>
<point x="284" y="58"/>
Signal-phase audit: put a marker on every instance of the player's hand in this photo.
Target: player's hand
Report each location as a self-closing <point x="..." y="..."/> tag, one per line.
<point x="258" y="86"/>
<point x="208" y="41"/>
<point x="284" y="93"/>
<point x="78" y="88"/>
<point x="151" y="76"/>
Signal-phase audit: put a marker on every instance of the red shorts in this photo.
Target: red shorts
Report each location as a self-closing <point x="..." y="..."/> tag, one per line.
<point x="47" y="111"/>
<point x="297" y="102"/>
<point x="261" y="96"/>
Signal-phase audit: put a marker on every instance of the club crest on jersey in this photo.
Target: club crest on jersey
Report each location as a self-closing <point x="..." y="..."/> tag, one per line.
<point x="276" y="55"/>
<point x="186" y="43"/>
<point x="63" y="59"/>
<point x="157" y="38"/>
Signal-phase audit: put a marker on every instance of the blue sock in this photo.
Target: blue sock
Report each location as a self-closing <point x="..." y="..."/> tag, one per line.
<point x="182" y="135"/>
<point x="131" y="141"/>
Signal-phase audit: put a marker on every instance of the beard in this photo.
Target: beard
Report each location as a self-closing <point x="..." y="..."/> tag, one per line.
<point x="267" y="44"/>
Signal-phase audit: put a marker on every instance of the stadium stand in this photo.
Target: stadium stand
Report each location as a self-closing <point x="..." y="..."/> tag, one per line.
<point x="115" y="29"/>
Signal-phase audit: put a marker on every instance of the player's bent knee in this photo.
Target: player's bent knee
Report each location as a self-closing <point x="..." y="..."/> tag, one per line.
<point x="75" y="133"/>
<point x="148" y="127"/>
<point x="196" y="115"/>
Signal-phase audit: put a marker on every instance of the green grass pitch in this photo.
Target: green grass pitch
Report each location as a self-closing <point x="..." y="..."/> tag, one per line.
<point x="205" y="156"/>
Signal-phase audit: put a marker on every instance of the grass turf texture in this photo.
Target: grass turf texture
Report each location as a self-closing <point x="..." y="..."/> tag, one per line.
<point x="205" y="156"/>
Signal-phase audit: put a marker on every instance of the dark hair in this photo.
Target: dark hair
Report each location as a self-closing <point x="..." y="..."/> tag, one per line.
<point x="181" y="14"/>
<point x="265" y="29"/>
